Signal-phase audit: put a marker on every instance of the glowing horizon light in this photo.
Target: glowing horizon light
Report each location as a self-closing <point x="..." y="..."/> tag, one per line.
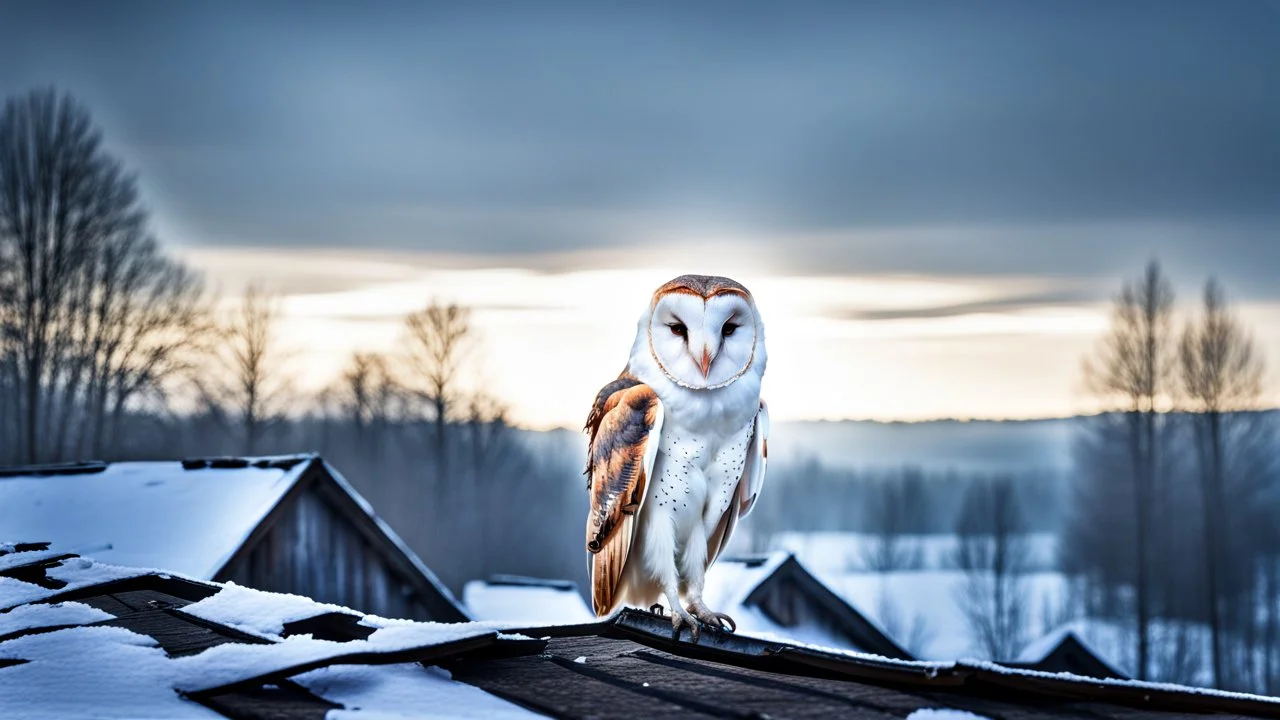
<point x="549" y="340"/>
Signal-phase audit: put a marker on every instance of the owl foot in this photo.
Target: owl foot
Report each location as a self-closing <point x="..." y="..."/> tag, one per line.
<point x="680" y="618"/>
<point x="657" y="609"/>
<point x="713" y="619"/>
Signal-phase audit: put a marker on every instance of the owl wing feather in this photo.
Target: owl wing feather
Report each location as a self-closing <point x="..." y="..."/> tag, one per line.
<point x="623" y="429"/>
<point x="748" y="486"/>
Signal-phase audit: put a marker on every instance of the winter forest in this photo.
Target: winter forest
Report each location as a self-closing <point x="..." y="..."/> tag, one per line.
<point x="1159" y="538"/>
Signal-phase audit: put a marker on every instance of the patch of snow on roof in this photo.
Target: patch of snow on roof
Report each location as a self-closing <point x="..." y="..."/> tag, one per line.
<point x="41" y="615"/>
<point x="76" y="672"/>
<point x="944" y="714"/>
<point x="75" y="572"/>
<point x="234" y="662"/>
<point x="754" y="623"/>
<point x="147" y="514"/>
<point x="527" y="604"/>
<point x="403" y="691"/>
<point x="258" y="612"/>
<point x="730" y="580"/>
<point x="80" y="672"/>
<point x="1038" y="649"/>
<point x="13" y="559"/>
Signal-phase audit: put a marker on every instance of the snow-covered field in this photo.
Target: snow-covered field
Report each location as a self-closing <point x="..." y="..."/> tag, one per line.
<point x="846" y="551"/>
<point x="931" y="600"/>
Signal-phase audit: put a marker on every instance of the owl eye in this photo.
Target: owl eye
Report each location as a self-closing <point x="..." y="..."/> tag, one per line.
<point x="678" y="329"/>
<point x="728" y="329"/>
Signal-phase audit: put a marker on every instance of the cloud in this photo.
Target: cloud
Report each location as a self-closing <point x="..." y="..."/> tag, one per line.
<point x="931" y="137"/>
<point x="1014" y="303"/>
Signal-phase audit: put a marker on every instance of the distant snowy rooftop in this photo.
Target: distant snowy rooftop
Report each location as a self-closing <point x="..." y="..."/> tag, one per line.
<point x="527" y="601"/>
<point x="185" y="517"/>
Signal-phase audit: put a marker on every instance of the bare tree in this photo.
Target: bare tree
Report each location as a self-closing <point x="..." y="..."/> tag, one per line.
<point x="92" y="314"/>
<point x="367" y="394"/>
<point x="994" y="554"/>
<point x="911" y="631"/>
<point x="1131" y="372"/>
<point x="248" y="392"/>
<point x="1221" y="371"/>
<point x="892" y="512"/>
<point x="438" y="338"/>
<point x="59" y="192"/>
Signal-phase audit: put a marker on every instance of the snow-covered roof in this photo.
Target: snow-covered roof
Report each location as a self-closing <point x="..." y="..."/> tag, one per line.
<point x="1038" y="649"/>
<point x="72" y="659"/>
<point x="529" y="603"/>
<point x="85" y="639"/>
<point x="149" y="514"/>
<point x="731" y="583"/>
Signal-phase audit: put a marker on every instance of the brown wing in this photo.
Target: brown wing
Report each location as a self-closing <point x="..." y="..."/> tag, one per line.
<point x="624" y="426"/>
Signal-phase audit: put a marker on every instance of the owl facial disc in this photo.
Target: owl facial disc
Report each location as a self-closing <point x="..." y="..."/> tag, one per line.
<point x="703" y="331"/>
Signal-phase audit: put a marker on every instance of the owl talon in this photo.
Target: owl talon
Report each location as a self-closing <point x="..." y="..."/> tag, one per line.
<point x="657" y="609"/>
<point x="679" y="619"/>
<point x="712" y="619"/>
<point x="726" y="623"/>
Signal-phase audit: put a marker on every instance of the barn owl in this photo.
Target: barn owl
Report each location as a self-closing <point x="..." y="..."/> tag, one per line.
<point x="677" y="448"/>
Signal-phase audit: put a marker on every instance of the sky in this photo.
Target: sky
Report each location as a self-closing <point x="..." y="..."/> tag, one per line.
<point x="932" y="201"/>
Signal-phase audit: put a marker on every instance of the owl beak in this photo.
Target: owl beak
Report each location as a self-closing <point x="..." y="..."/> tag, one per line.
<point x="706" y="361"/>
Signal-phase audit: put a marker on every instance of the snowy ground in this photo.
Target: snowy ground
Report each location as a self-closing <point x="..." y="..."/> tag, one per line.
<point x="846" y="551"/>
<point x="931" y="600"/>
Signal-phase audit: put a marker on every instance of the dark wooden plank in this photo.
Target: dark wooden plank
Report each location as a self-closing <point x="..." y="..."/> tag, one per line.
<point x="35" y="572"/>
<point x="33" y="631"/>
<point x="1013" y="706"/>
<point x="107" y="603"/>
<point x="177" y="635"/>
<point x="546" y="687"/>
<point x="726" y="694"/>
<point x="1116" y="712"/>
<point x="428" y="654"/>
<point x="336" y="626"/>
<point x="870" y="700"/>
<point x="1001" y="684"/>
<point x="188" y="590"/>
<point x="26" y="547"/>
<point x="72" y="468"/>
<point x="148" y="599"/>
<point x="280" y="701"/>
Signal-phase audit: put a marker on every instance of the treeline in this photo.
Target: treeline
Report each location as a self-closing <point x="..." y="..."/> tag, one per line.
<point x="94" y="318"/>
<point x="809" y="496"/>
<point x="1173" y="525"/>
<point x="111" y="349"/>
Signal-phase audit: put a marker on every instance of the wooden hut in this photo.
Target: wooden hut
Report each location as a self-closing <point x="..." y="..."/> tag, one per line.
<point x="285" y="524"/>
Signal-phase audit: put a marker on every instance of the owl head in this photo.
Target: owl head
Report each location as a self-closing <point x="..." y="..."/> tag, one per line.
<point x="703" y="332"/>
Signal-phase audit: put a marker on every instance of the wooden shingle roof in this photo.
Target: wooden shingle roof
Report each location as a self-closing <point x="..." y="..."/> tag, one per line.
<point x="190" y="647"/>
